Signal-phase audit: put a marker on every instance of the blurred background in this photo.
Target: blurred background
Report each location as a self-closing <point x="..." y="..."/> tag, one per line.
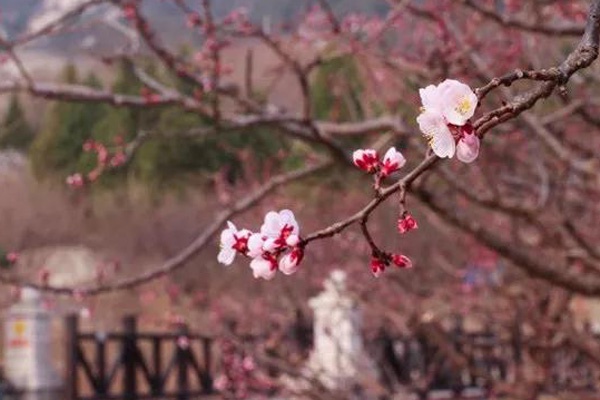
<point x="127" y="128"/>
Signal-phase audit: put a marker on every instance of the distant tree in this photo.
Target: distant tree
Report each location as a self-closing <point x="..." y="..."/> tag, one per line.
<point x="15" y="131"/>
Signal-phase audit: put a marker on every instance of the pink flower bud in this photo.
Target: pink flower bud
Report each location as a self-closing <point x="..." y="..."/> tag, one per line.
<point x="367" y="160"/>
<point x="401" y="261"/>
<point x="292" y="240"/>
<point x="377" y="266"/>
<point x="467" y="148"/>
<point x="290" y="262"/>
<point x="392" y="161"/>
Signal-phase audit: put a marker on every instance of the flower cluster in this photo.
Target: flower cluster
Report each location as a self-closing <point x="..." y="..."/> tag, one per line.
<point x="104" y="159"/>
<point x="444" y="121"/>
<point x="239" y="21"/>
<point x="368" y="161"/>
<point x="241" y="377"/>
<point x="275" y="247"/>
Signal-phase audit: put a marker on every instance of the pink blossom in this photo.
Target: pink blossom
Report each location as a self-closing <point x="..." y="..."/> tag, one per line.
<point x="183" y="342"/>
<point x="407" y="223"/>
<point x="401" y="261"/>
<point x="277" y="229"/>
<point x="102" y="153"/>
<point x="248" y="363"/>
<point x="221" y="383"/>
<point x="118" y="159"/>
<point x="255" y="245"/>
<point x="129" y="11"/>
<point x="89" y="145"/>
<point x="94" y="175"/>
<point x="366" y="159"/>
<point x="232" y="241"/>
<point x="392" y="161"/>
<point x="12" y="257"/>
<point x="446" y="107"/>
<point x="75" y="180"/>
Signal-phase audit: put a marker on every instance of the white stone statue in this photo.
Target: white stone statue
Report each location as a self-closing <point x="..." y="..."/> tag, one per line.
<point x="338" y="357"/>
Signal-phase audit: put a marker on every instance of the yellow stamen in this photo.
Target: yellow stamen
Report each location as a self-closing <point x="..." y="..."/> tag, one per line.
<point x="429" y="139"/>
<point x="463" y="106"/>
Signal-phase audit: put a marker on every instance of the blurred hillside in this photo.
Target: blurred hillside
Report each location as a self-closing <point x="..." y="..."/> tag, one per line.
<point x="21" y="15"/>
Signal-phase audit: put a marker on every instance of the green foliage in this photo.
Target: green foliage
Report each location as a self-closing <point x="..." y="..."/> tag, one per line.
<point x="5" y="262"/>
<point x="15" y="132"/>
<point x="167" y="157"/>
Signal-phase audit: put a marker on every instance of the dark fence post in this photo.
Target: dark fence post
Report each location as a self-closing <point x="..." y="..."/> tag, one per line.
<point x="182" y="363"/>
<point x="129" y="358"/>
<point x="207" y="382"/>
<point x="157" y="386"/>
<point x="71" y="328"/>
<point x="101" y="364"/>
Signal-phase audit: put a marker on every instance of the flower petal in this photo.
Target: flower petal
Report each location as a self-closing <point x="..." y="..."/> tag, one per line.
<point x="271" y="226"/>
<point x="255" y="245"/>
<point x="286" y="217"/>
<point x="430" y="98"/>
<point x="227" y="238"/>
<point x="261" y="268"/>
<point x="226" y="256"/>
<point x="288" y="264"/>
<point x="436" y="131"/>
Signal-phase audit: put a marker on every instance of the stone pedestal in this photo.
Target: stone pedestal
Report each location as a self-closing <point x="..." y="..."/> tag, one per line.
<point x="28" y="346"/>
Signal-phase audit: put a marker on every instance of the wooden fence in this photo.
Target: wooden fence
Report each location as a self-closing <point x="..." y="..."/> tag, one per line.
<point x="139" y="365"/>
